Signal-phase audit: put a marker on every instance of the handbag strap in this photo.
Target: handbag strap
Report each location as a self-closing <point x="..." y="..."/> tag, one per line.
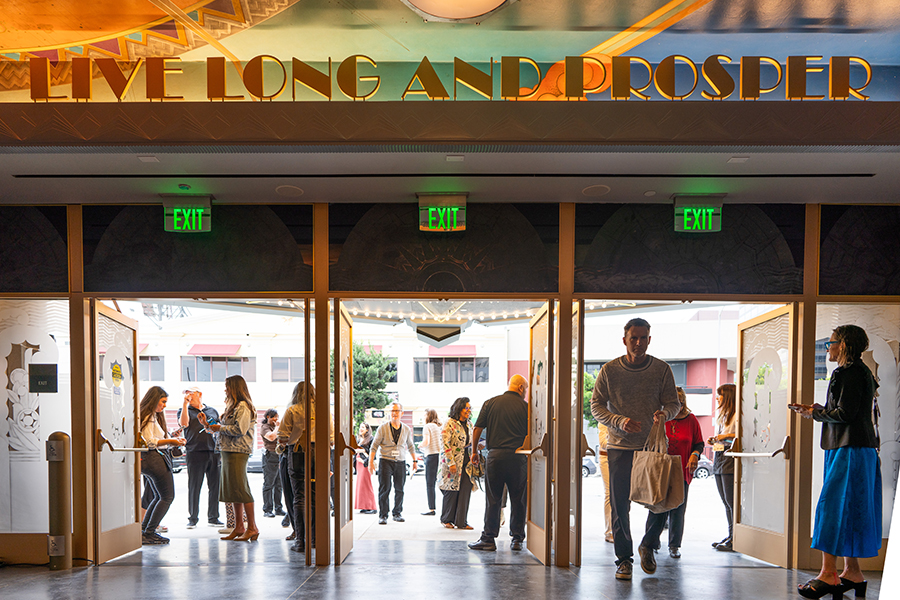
<point x="657" y="441"/>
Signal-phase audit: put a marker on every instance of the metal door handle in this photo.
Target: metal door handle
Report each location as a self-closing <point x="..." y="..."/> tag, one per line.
<point x="785" y="449"/>
<point x="543" y="448"/>
<point x="342" y="445"/>
<point x="586" y="449"/>
<point x="103" y="442"/>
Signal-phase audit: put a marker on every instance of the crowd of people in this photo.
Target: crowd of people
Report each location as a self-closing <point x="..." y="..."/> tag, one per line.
<point x="630" y="393"/>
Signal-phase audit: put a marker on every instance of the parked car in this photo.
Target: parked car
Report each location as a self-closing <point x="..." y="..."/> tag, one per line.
<point x="254" y="463"/>
<point x="704" y="468"/>
<point x="588" y="466"/>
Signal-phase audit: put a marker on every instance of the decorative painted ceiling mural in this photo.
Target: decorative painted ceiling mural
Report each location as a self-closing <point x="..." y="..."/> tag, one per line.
<point x="403" y="31"/>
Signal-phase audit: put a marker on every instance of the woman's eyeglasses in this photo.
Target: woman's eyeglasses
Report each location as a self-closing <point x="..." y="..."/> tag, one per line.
<point x="831" y="343"/>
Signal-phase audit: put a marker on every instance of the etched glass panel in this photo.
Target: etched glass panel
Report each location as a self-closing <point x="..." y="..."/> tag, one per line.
<point x="32" y="332"/>
<point x="539" y="388"/>
<point x="115" y="414"/>
<point x="764" y="399"/>
<point x="882" y="325"/>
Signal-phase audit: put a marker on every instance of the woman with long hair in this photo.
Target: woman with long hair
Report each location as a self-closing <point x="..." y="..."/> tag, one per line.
<point x="155" y="465"/>
<point x="236" y="431"/>
<point x="292" y="434"/>
<point x="723" y="466"/>
<point x="431" y="449"/>
<point x="848" y="515"/>
<point x="364" y="499"/>
<point x="456" y="486"/>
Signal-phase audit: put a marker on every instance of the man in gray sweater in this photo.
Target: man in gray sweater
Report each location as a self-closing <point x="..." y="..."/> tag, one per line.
<point x="629" y="392"/>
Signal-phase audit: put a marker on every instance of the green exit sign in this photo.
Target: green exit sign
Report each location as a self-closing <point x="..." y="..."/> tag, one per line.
<point x="442" y="212"/>
<point x="188" y="215"/>
<point x="698" y="215"/>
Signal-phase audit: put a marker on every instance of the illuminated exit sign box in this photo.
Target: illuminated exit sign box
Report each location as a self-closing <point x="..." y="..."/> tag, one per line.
<point x="442" y="212"/>
<point x="698" y="214"/>
<point x="187" y="214"/>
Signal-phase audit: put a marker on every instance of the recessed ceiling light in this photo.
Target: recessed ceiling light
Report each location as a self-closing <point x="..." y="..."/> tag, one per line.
<point x="738" y="159"/>
<point x="649" y="193"/>
<point x="148" y="159"/>
<point x="288" y="191"/>
<point x="593" y="191"/>
<point x="455" y="158"/>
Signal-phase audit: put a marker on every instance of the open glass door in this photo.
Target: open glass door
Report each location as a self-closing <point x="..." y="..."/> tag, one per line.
<point x="578" y="444"/>
<point x="537" y="528"/>
<point x="115" y="407"/>
<point x="762" y="508"/>
<point x="344" y="442"/>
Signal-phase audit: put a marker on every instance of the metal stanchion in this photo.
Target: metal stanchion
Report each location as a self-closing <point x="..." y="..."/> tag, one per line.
<point x="59" y="540"/>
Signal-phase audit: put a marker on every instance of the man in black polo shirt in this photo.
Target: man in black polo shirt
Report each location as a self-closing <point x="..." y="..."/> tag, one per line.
<point x="202" y="458"/>
<point x="506" y="419"/>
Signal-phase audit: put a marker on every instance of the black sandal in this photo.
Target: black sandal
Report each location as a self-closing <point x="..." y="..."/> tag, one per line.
<point x="816" y="588"/>
<point x="859" y="588"/>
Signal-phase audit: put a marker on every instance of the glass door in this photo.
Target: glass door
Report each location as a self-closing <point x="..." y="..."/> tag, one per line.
<point x="577" y="442"/>
<point x="762" y="454"/>
<point x="115" y="407"/>
<point x="537" y="523"/>
<point x="344" y="442"/>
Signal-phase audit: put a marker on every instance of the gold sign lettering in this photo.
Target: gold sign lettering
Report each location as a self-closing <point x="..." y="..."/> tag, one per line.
<point x="429" y="80"/>
<point x="40" y="80"/>
<point x="473" y="78"/>
<point x="751" y="88"/>
<point x="665" y="77"/>
<point x="583" y="75"/>
<point x="795" y="77"/>
<point x="717" y="77"/>
<point x="578" y="75"/>
<point x="311" y="77"/>
<point x="621" y="79"/>
<point x="253" y="77"/>
<point x="156" y="77"/>
<point x="509" y="77"/>
<point x="348" y="81"/>
<point x="216" y="83"/>
<point x="839" y="78"/>
<point x="117" y="81"/>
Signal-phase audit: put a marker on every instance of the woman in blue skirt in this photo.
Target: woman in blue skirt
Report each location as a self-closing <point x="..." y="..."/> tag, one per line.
<point x="848" y="515"/>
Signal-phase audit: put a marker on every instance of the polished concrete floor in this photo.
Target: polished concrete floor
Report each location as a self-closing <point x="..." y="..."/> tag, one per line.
<point x="396" y="570"/>
<point x="417" y="559"/>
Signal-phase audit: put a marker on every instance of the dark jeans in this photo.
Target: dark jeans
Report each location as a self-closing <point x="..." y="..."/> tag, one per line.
<point x="656" y="523"/>
<point x="725" y="485"/>
<point x="285" y="476"/>
<point x="388" y="471"/>
<point x="202" y="464"/>
<point x="505" y="468"/>
<point x="620" y="462"/>
<point x="159" y="478"/>
<point x="297" y="473"/>
<point x="271" y="483"/>
<point x="431" y="469"/>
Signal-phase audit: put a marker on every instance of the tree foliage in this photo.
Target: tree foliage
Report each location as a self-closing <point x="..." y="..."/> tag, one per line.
<point x="371" y="373"/>
<point x="586" y="401"/>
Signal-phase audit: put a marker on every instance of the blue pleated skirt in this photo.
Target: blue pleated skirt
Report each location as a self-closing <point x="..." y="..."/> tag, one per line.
<point x="848" y="516"/>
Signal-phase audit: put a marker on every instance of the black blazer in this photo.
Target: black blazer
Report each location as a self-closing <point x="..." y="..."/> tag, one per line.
<point x="847" y="416"/>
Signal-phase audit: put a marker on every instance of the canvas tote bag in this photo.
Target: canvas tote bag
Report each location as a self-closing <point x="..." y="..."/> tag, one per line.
<point x="656" y="479"/>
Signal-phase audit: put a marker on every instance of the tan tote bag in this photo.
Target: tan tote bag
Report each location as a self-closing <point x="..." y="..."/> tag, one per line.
<point x="656" y="479"/>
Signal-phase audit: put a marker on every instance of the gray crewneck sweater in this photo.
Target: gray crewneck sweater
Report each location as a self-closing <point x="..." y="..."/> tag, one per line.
<point x="623" y="391"/>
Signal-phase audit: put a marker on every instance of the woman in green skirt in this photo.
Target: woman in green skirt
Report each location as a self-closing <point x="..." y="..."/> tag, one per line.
<point x="236" y="434"/>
